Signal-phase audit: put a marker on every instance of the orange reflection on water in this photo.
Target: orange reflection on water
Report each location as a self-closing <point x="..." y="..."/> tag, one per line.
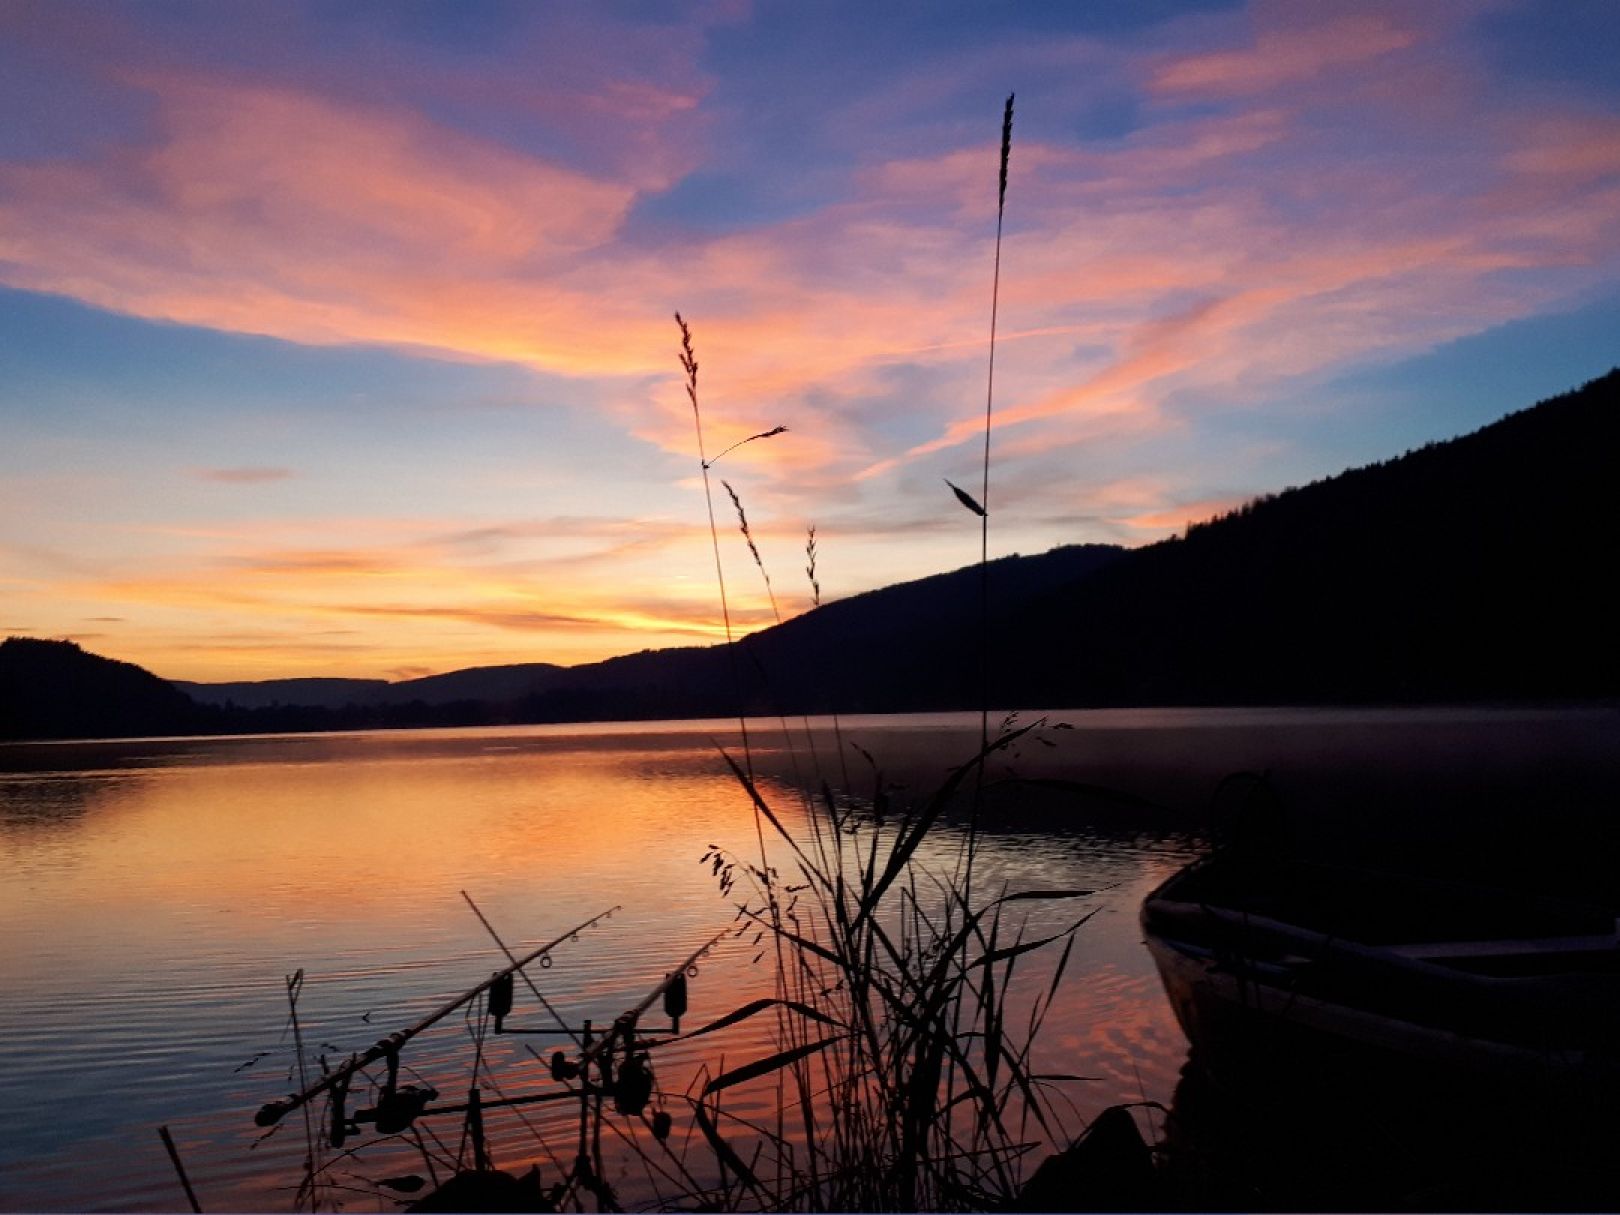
<point x="156" y="896"/>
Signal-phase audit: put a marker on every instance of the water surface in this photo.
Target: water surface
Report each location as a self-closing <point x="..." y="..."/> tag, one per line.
<point x="155" y="895"/>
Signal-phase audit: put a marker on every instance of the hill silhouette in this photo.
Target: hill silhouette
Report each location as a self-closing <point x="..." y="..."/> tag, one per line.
<point x="1472" y="568"/>
<point x="906" y="647"/>
<point x="1469" y="569"/>
<point x="53" y="689"/>
<point x="874" y="652"/>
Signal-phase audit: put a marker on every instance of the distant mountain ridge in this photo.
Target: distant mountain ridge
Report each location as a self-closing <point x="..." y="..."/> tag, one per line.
<point x="494" y="683"/>
<point x="896" y="628"/>
<point x="316" y="693"/>
<point x="1468" y="569"/>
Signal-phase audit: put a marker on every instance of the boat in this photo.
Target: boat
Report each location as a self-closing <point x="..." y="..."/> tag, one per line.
<point x="1366" y="1040"/>
<point x="1273" y="964"/>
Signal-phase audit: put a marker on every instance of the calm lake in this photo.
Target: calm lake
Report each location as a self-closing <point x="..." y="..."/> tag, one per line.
<point x="156" y="895"/>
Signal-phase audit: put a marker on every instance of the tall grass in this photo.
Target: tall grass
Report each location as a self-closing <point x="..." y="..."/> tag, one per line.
<point x="901" y="1077"/>
<point x="915" y="1090"/>
<point x="896" y="992"/>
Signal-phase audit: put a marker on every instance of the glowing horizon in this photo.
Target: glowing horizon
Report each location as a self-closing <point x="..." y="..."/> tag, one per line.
<point x="340" y="342"/>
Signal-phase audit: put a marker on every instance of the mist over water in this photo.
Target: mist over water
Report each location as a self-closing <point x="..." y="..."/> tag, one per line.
<point x="154" y="895"/>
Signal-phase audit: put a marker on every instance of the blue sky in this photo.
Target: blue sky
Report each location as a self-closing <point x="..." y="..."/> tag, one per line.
<point x="338" y="339"/>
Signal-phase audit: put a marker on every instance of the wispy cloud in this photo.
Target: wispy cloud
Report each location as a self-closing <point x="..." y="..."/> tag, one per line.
<point x="564" y="584"/>
<point x="246" y="475"/>
<point x="1291" y="52"/>
<point x="322" y="220"/>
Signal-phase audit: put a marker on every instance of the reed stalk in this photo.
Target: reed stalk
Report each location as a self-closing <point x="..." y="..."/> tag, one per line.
<point x="910" y="970"/>
<point x="689" y="364"/>
<point x="989" y="400"/>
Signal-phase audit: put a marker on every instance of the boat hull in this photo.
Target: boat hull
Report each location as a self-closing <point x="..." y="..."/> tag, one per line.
<point x="1330" y="1073"/>
<point x="1261" y="1036"/>
<point x="1256" y="994"/>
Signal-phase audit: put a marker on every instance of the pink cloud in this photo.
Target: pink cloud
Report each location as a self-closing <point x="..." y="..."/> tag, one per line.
<point x="1233" y="248"/>
<point x="268" y="211"/>
<point x="237" y="155"/>
<point x="1285" y="56"/>
<point x="1572" y="147"/>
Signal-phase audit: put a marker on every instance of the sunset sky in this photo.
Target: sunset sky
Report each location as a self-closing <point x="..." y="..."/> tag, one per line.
<point x="337" y="338"/>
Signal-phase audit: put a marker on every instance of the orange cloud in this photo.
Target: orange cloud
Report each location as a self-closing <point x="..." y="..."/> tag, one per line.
<point x="661" y="617"/>
<point x="1177" y="517"/>
<point x="550" y="590"/>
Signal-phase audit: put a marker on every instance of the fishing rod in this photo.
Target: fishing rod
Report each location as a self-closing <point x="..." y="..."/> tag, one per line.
<point x="274" y="1111"/>
<point x="674" y="982"/>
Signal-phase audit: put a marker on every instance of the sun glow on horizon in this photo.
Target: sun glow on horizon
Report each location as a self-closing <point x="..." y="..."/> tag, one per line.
<point x="344" y="346"/>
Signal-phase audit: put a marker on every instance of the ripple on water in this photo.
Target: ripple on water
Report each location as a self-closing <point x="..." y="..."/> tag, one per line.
<point x="150" y="915"/>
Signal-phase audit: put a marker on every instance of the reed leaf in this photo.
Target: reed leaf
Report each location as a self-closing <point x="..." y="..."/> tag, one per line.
<point x="1057" y="973"/>
<point x="1045" y="895"/>
<point x="723" y="1150"/>
<point x="759" y="1006"/>
<point x="966" y="499"/>
<point x="764" y="434"/>
<point x="1008" y="952"/>
<point x="771" y="1063"/>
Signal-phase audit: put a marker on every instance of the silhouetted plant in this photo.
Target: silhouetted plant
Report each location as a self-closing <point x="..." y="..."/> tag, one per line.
<point x="922" y="1096"/>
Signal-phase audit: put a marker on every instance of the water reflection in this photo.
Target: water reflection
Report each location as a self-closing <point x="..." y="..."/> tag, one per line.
<point x="154" y="895"/>
<point x="141" y="977"/>
<point x="53" y="803"/>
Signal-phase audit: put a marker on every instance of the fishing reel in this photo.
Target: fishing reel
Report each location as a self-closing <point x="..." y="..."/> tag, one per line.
<point x="633" y="1086"/>
<point x="397" y="1110"/>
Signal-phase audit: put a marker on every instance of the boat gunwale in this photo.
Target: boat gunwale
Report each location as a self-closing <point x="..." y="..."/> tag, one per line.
<point x="1414" y="957"/>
